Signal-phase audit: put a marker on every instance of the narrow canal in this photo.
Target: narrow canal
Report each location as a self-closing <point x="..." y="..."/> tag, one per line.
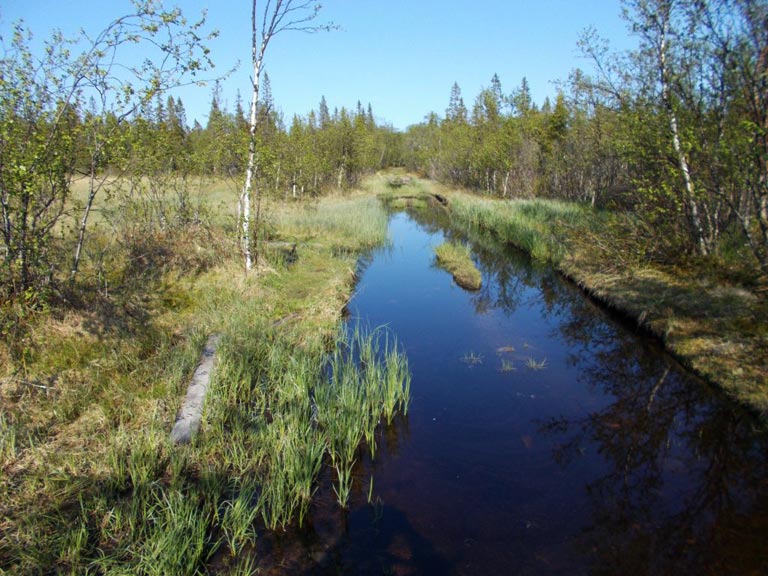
<point x="543" y="437"/>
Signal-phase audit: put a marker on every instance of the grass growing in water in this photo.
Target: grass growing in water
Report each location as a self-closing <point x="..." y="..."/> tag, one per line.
<point x="507" y="366"/>
<point x="457" y="259"/>
<point x="472" y="359"/>
<point x="291" y="416"/>
<point x="534" y="364"/>
<point x="368" y="380"/>
<point x="89" y="481"/>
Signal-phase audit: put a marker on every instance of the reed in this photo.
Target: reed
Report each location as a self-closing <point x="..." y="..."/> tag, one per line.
<point x="238" y="522"/>
<point x="178" y="538"/>
<point x="472" y="359"/>
<point x="246" y="566"/>
<point x="534" y="364"/>
<point x="507" y="366"/>
<point x="343" y="487"/>
<point x="299" y="406"/>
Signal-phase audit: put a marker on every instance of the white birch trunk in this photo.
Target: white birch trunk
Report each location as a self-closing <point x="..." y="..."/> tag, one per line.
<point x="247" y="193"/>
<point x="681" y="157"/>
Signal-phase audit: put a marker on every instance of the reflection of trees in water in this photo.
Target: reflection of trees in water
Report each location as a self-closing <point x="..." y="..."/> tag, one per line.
<point x="687" y="487"/>
<point x="507" y="273"/>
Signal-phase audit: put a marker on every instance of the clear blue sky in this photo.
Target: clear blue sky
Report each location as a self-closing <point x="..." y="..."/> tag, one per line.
<point x="402" y="56"/>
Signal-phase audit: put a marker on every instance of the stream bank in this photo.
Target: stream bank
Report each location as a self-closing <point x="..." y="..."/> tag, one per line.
<point x="717" y="330"/>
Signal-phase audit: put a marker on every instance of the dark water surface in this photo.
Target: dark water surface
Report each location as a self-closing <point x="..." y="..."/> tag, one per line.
<point x="602" y="458"/>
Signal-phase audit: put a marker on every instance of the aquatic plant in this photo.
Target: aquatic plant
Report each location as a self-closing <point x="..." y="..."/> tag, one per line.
<point x="533" y="364"/>
<point x="343" y="487"/>
<point x="472" y="359"/>
<point x="238" y="519"/>
<point x="507" y="366"/>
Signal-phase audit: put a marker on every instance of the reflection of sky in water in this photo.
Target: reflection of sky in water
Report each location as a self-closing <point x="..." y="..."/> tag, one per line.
<point x="608" y="456"/>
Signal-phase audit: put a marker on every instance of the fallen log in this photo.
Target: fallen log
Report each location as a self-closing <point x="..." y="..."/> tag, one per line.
<point x="191" y="412"/>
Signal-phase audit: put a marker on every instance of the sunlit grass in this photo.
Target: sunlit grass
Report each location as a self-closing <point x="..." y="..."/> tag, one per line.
<point x="90" y="481"/>
<point x="536" y="226"/>
<point x="457" y="260"/>
<point x="339" y="223"/>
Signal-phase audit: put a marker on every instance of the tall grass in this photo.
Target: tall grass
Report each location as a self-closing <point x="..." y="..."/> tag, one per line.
<point x="536" y="226"/>
<point x="90" y="482"/>
<point x="298" y="408"/>
<point x="342" y="223"/>
<point x="368" y="380"/>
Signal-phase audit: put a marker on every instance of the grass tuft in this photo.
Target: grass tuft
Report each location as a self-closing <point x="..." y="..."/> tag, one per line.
<point x="457" y="259"/>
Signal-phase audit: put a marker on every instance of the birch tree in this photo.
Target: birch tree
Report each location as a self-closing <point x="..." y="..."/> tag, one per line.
<point x="175" y="55"/>
<point x="653" y="21"/>
<point x="737" y="32"/>
<point x="275" y="17"/>
<point x="41" y="100"/>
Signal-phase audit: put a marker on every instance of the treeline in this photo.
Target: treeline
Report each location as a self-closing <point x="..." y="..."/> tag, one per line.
<point x="76" y="136"/>
<point x="318" y="152"/>
<point x="146" y="162"/>
<point x="675" y="131"/>
<point x="103" y="176"/>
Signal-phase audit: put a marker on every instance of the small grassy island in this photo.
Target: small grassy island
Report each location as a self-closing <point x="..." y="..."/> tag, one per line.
<point x="457" y="259"/>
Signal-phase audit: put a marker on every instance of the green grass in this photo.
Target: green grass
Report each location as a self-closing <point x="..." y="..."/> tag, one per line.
<point x="537" y="226"/>
<point x="413" y="194"/>
<point x="341" y="224"/>
<point x="457" y="260"/>
<point x="89" y="481"/>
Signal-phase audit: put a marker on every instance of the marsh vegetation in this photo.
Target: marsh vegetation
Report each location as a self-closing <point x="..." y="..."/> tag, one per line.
<point x="90" y="479"/>
<point x="457" y="260"/>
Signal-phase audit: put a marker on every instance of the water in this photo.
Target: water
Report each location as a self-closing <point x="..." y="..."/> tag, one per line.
<point x="543" y="437"/>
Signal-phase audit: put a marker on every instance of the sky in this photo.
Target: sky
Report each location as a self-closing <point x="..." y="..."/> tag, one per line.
<point x="401" y="56"/>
